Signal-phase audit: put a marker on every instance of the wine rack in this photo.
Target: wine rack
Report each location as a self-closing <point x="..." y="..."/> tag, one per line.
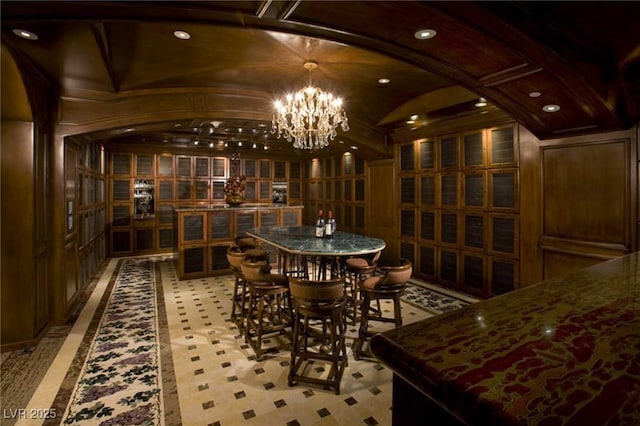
<point x="459" y="209"/>
<point x="337" y="184"/>
<point x="143" y="190"/>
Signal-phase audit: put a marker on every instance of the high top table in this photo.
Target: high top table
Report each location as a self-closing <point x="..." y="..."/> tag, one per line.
<point x="297" y="243"/>
<point x="565" y="352"/>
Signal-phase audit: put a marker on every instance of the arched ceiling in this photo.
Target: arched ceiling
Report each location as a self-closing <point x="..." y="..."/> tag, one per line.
<point x="124" y="77"/>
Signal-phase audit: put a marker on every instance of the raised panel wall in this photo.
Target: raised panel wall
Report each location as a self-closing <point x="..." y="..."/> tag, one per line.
<point x="595" y="222"/>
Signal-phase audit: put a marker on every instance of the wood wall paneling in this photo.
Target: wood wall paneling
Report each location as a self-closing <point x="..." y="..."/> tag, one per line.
<point x="597" y="177"/>
<point x="18" y="291"/>
<point x="71" y="271"/>
<point x="595" y="222"/>
<point x="381" y="206"/>
<point x="531" y="208"/>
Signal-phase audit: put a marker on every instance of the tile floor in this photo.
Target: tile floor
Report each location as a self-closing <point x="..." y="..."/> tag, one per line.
<point x="220" y="381"/>
<point x="212" y="377"/>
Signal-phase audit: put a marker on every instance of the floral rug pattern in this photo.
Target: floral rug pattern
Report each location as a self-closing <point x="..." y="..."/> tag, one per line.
<point x="430" y="300"/>
<point x="119" y="382"/>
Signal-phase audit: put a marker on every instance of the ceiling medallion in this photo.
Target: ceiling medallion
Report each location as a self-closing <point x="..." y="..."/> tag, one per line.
<point x="309" y="117"/>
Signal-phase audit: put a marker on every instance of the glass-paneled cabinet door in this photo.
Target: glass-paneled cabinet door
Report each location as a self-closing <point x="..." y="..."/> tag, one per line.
<point x="144" y="165"/>
<point x="218" y="168"/>
<point x="220" y="226"/>
<point x="280" y="169"/>
<point x="265" y="168"/>
<point x="503" y="147"/>
<point x="192" y="227"/>
<point x="202" y="167"/>
<point x="165" y="165"/>
<point x="183" y="166"/>
<point x="249" y="168"/>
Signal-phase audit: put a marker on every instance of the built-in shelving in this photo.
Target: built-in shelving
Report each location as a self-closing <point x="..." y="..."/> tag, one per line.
<point x="138" y="181"/>
<point x="337" y="185"/>
<point x="459" y="209"/>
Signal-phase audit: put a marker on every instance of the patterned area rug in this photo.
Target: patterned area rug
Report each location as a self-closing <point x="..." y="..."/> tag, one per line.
<point x="119" y="382"/>
<point x="432" y="300"/>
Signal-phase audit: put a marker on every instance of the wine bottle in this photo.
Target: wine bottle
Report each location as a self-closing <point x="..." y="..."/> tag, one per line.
<point x="320" y="225"/>
<point x="330" y="226"/>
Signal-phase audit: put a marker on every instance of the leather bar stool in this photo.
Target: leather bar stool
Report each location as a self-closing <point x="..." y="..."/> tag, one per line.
<point x="318" y="331"/>
<point x="238" y="300"/>
<point x="251" y="247"/>
<point x="268" y="303"/>
<point x="390" y="285"/>
<point x="356" y="268"/>
<point x="235" y="256"/>
<point x="246" y="243"/>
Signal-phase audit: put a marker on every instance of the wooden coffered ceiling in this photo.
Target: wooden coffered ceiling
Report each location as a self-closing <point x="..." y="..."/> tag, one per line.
<point x="123" y="77"/>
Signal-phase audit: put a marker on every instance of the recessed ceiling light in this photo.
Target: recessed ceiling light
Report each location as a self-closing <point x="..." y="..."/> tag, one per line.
<point x="210" y="144"/>
<point x="551" y="108"/>
<point x="182" y="35"/>
<point x="196" y="142"/>
<point x="25" y="34"/>
<point x="414" y="117"/>
<point x="425" y="34"/>
<point x="353" y="147"/>
<point x="481" y="102"/>
<point x="130" y="129"/>
<point x="384" y="81"/>
<point x="410" y="121"/>
<point x="535" y="94"/>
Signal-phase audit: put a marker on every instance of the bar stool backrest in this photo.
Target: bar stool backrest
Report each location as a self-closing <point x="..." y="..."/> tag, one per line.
<point x="235" y="257"/>
<point x="376" y="257"/>
<point x="316" y="291"/>
<point x="397" y="275"/>
<point x="253" y="271"/>
<point x="246" y="243"/>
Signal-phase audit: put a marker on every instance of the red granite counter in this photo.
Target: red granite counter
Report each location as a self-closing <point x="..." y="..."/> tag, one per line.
<point x="562" y="352"/>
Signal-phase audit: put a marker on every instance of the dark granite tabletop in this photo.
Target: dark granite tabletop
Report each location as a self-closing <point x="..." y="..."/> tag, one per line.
<point x="562" y="352"/>
<point x="301" y="240"/>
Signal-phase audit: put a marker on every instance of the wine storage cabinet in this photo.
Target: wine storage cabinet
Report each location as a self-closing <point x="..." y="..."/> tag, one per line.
<point x="145" y="188"/>
<point x="204" y="234"/>
<point x="458" y="204"/>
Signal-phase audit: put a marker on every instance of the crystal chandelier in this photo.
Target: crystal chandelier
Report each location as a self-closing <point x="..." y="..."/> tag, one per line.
<point x="309" y="117"/>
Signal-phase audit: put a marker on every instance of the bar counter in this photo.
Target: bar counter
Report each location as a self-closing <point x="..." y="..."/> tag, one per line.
<point x="565" y="351"/>
<point x="206" y="231"/>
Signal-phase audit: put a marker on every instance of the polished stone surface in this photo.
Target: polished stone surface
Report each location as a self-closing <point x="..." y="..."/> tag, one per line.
<point x="564" y="351"/>
<point x="301" y="240"/>
<point x="245" y="206"/>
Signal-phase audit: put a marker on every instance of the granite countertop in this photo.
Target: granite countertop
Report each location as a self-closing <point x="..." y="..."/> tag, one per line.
<point x="302" y="240"/>
<point x="564" y="351"/>
<point x="246" y="206"/>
